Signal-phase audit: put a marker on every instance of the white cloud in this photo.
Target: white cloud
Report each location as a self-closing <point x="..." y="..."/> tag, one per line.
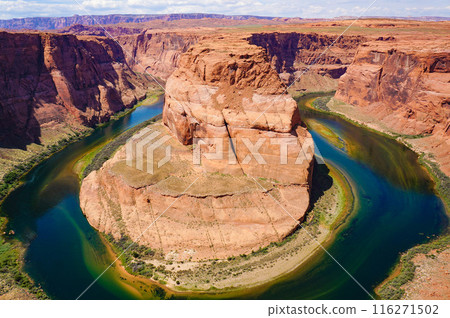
<point x="293" y="8"/>
<point x="101" y="4"/>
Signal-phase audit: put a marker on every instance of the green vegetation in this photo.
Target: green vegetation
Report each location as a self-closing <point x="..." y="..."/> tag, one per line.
<point x="110" y="148"/>
<point x="296" y="95"/>
<point x="303" y="104"/>
<point x="442" y="181"/>
<point x="134" y="258"/>
<point x="133" y="255"/>
<point x="150" y="98"/>
<point x="392" y="289"/>
<point x="321" y="103"/>
<point x="81" y="164"/>
<point x="327" y="133"/>
<point x="11" y="180"/>
<point x="12" y="278"/>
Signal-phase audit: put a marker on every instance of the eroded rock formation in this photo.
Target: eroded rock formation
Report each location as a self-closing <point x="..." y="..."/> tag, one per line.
<point x="156" y="52"/>
<point x="406" y="86"/>
<point x="228" y="89"/>
<point x="292" y="52"/>
<point x="47" y="79"/>
<point x="308" y="57"/>
<point x="215" y="209"/>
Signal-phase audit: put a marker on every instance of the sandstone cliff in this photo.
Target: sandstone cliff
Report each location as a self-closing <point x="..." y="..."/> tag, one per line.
<point x="156" y="52"/>
<point x="406" y="86"/>
<point x="290" y="52"/>
<point x="49" y="79"/>
<point x="218" y="208"/>
<point x="293" y="53"/>
<point x="228" y="89"/>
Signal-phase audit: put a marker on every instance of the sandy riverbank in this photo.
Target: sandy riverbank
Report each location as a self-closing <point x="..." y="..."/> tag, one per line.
<point x="424" y="275"/>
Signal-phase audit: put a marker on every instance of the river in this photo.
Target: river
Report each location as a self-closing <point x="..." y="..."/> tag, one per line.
<point x="396" y="209"/>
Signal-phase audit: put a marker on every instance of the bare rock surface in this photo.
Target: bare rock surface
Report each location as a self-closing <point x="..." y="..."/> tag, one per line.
<point x="406" y="86"/>
<point x="431" y="278"/>
<point x="213" y="209"/>
<point x="156" y="52"/>
<point x="48" y="79"/>
<point x="228" y="89"/>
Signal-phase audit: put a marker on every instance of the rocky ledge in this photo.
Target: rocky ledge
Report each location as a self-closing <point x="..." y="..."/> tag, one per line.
<point x="218" y="207"/>
<point x="404" y="85"/>
<point x="49" y="80"/>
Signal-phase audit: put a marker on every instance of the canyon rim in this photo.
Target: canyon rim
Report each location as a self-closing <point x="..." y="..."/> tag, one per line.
<point x="229" y="209"/>
<point x="233" y="87"/>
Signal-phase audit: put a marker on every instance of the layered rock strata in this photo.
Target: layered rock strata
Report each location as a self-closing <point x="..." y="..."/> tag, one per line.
<point x="229" y="90"/>
<point x="293" y="52"/>
<point x="156" y="52"/>
<point x="48" y="79"/>
<point x="215" y="208"/>
<point x="309" y="61"/>
<point x="405" y="85"/>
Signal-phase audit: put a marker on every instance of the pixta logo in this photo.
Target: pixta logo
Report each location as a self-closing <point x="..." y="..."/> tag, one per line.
<point x="287" y="150"/>
<point x="143" y="147"/>
<point x="148" y="150"/>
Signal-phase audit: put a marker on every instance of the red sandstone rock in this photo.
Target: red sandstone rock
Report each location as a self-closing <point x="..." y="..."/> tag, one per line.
<point x="293" y="52"/>
<point x="219" y="90"/>
<point x="228" y="89"/>
<point x="156" y="52"/>
<point x="405" y="85"/>
<point x="47" y="78"/>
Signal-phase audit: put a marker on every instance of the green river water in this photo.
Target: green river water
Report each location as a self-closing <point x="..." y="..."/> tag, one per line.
<point x="396" y="209"/>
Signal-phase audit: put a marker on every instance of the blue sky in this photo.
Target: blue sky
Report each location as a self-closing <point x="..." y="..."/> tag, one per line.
<point x="286" y="8"/>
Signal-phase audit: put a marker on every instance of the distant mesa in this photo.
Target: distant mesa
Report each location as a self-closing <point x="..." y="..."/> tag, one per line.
<point x="53" y="23"/>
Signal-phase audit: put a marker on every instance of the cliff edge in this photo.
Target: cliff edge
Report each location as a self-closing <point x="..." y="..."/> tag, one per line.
<point x="405" y="86"/>
<point x="222" y="206"/>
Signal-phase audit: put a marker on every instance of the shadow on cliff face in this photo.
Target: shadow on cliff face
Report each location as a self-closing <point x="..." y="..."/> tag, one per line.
<point x="93" y="82"/>
<point x="17" y="133"/>
<point x="54" y="79"/>
<point x="321" y="182"/>
<point x="21" y="60"/>
<point x="291" y="52"/>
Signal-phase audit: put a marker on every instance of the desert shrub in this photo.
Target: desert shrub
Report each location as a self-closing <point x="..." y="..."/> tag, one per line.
<point x="109" y="149"/>
<point x="392" y="289"/>
<point x="321" y="103"/>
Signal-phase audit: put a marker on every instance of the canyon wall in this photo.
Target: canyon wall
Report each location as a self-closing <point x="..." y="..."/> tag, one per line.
<point x="218" y="207"/>
<point x="291" y="53"/>
<point x="156" y="52"/>
<point x="49" y="23"/>
<point x="405" y="85"/>
<point x="227" y="88"/>
<point x="48" y="79"/>
<point x="306" y="57"/>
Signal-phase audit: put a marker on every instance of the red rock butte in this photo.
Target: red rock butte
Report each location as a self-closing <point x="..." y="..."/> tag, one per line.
<point x="222" y="89"/>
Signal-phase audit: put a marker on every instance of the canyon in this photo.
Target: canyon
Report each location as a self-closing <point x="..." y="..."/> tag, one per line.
<point x="77" y="77"/>
<point x="50" y="80"/>
<point x="410" y="73"/>
<point x="304" y="60"/>
<point x="227" y="80"/>
<point x="219" y="208"/>
<point x="404" y="85"/>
